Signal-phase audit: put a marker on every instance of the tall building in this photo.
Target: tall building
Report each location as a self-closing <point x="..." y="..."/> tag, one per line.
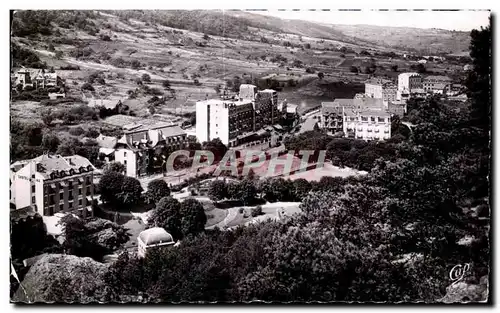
<point x="379" y="88"/>
<point x="143" y="149"/>
<point x="224" y="119"/>
<point x="266" y="108"/>
<point x="52" y="184"/>
<point x="408" y="83"/>
<point x="232" y="120"/>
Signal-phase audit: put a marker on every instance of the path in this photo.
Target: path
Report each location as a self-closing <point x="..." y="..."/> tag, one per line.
<point x="231" y="215"/>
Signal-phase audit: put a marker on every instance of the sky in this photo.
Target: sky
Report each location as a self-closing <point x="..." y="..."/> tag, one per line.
<point x="451" y="20"/>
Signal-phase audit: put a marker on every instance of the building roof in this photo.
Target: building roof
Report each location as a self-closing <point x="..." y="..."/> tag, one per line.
<point x="374" y="113"/>
<point x="48" y="164"/>
<point x="155" y="235"/>
<point x="308" y="125"/>
<point x="357" y="103"/>
<point x="108" y="142"/>
<point x="438" y="78"/>
<point x="22" y="214"/>
<point x="378" y="81"/>
<point x="408" y="74"/>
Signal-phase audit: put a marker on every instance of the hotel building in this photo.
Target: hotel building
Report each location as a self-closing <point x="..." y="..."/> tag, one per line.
<point x="52" y="184"/>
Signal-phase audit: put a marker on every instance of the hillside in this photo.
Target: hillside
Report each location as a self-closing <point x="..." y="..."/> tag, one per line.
<point x="191" y="55"/>
<point x="426" y="41"/>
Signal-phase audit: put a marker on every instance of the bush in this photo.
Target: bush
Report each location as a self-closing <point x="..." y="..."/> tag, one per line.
<point x="256" y="211"/>
<point x="105" y="38"/>
<point x="88" y="86"/>
<point x="146" y="78"/>
<point x="353" y="69"/>
<point x="76" y="131"/>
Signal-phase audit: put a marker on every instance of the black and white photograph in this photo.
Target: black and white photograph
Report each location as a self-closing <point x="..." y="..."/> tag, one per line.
<point x="226" y="156"/>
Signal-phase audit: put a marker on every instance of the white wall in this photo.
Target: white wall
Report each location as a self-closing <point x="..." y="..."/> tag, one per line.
<point x="22" y="185"/>
<point x="122" y="155"/>
<point x="201" y="121"/>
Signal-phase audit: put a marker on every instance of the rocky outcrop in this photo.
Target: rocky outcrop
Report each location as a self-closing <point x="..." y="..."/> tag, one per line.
<point x="64" y="278"/>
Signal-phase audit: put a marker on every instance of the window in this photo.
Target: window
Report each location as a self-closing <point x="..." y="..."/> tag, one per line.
<point x="80" y="202"/>
<point x="88" y="180"/>
<point x="364" y="119"/>
<point x="32" y="188"/>
<point x="381" y="120"/>
<point x="33" y="200"/>
<point x="124" y="154"/>
<point x="79" y="191"/>
<point x="372" y="119"/>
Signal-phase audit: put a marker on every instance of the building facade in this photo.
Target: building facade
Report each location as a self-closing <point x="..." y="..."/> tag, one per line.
<point x="52" y="184"/>
<point x="144" y="150"/>
<point x="408" y="83"/>
<point x="231" y="119"/>
<point x="367" y="125"/>
<point x="381" y="89"/>
<point x="436" y="84"/>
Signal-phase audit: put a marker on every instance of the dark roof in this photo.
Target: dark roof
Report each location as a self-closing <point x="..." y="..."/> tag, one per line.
<point x="23" y="214"/>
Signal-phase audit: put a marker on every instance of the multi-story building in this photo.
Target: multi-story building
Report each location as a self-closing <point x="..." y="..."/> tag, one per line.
<point x="224" y="119"/>
<point x="332" y="118"/>
<point x="436" y="84"/>
<point x="233" y="119"/>
<point x="266" y="108"/>
<point x="366" y="124"/>
<point x="379" y="88"/>
<point x="144" y="149"/>
<point x="397" y="107"/>
<point x="408" y="83"/>
<point x="52" y="184"/>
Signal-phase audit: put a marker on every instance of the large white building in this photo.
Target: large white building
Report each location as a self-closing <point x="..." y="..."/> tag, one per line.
<point x="52" y="184"/>
<point x="231" y="120"/>
<point x="408" y="83"/>
<point x="367" y="124"/>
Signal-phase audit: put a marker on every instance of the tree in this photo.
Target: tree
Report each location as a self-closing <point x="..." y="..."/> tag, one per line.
<point x="206" y="37"/>
<point x="131" y="191"/>
<point x="47" y="117"/>
<point x="301" y="188"/>
<point x="193" y="218"/>
<point x="110" y="186"/>
<point x="87" y="86"/>
<point x="115" y="166"/>
<point x="146" y="78"/>
<point x="479" y="79"/>
<point x="321" y="75"/>
<point x="394" y="68"/>
<point x="246" y="191"/>
<point x="166" y="84"/>
<point x="68" y="146"/>
<point x="421" y="68"/>
<point x="217" y="190"/>
<point x="50" y="142"/>
<point x="167" y="215"/>
<point x="216" y="147"/>
<point x="157" y="189"/>
<point x="353" y="69"/>
<point x="256" y="211"/>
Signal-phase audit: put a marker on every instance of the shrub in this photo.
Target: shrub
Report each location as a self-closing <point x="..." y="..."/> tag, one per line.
<point x="256" y="211"/>
<point x="105" y="38"/>
<point x="76" y="131"/>
<point x="88" y="86"/>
